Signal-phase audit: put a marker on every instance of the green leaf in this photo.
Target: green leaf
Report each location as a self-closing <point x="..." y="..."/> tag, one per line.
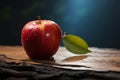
<point x="75" y="44"/>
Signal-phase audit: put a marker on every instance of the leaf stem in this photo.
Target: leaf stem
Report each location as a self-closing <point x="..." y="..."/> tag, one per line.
<point x="64" y="34"/>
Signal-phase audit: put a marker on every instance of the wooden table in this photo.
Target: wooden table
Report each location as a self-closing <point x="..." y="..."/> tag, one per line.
<point x="100" y="59"/>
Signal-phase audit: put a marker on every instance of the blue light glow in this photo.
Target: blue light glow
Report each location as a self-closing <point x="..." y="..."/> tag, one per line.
<point x="94" y="20"/>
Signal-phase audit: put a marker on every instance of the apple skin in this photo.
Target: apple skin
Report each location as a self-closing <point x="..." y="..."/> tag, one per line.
<point x="41" y="38"/>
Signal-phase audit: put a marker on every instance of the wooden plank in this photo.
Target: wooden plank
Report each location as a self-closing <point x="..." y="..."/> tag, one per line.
<point x="15" y="52"/>
<point x="100" y="59"/>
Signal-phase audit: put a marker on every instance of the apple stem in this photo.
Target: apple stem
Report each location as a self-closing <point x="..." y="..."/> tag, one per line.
<point x="39" y="19"/>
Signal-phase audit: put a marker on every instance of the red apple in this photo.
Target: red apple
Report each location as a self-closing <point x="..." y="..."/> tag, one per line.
<point x="41" y="38"/>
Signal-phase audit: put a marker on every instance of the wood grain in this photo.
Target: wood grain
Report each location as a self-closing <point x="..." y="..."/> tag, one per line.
<point x="100" y="59"/>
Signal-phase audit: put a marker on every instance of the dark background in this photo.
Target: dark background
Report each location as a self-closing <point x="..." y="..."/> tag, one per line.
<point x="96" y="21"/>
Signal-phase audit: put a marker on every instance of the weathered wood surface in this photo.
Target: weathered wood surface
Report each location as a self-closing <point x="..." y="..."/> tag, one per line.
<point x="100" y="59"/>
